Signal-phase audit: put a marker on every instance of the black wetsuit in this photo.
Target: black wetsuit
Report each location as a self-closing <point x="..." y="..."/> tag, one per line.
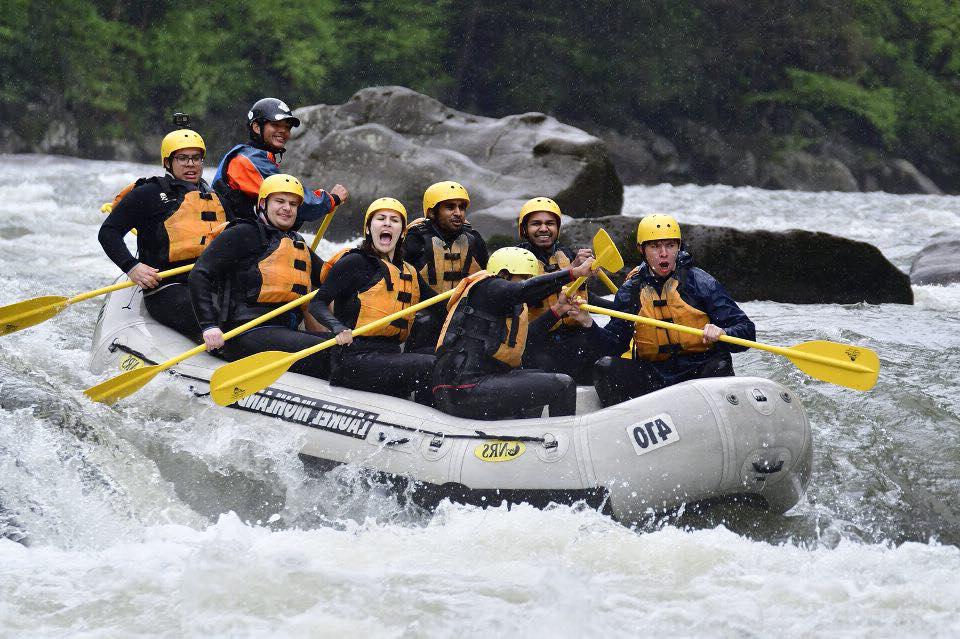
<point x="144" y="208"/>
<point x="219" y="286"/>
<point x="418" y="251"/>
<point x="568" y="349"/>
<point x="468" y="383"/>
<point x="374" y="364"/>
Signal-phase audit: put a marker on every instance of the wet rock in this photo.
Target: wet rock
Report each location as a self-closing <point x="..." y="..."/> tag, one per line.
<point x="643" y="157"/>
<point x="792" y="266"/>
<point x="900" y="176"/>
<point x="939" y="261"/>
<point x="394" y="141"/>
<point x="803" y="171"/>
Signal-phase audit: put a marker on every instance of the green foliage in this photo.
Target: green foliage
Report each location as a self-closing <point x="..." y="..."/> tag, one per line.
<point x="823" y="94"/>
<point x="882" y="70"/>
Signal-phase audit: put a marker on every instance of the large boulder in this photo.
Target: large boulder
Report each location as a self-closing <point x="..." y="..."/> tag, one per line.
<point x="394" y="141"/>
<point x="792" y="266"/>
<point x="939" y="261"/>
<point x="806" y="172"/>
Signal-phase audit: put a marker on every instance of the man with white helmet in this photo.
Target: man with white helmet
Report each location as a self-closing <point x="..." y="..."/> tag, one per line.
<point x="666" y="286"/>
<point x="481" y="345"/>
<point x="174" y="216"/>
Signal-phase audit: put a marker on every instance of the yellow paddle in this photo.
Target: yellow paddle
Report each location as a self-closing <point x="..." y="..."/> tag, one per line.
<point x="603" y="277"/>
<point x="321" y="230"/>
<point x="15" y="317"/>
<point x="234" y="381"/>
<point x="847" y="365"/>
<point x="130" y="382"/>
<point x="606" y="256"/>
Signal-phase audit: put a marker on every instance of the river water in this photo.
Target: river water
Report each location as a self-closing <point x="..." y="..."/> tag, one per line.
<point x="165" y="517"/>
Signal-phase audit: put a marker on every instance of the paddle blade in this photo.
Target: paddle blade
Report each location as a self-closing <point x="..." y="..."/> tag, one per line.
<point x="606" y="252"/>
<point x="842" y="354"/>
<point x="234" y="381"/>
<point x="21" y="315"/>
<point x="116" y="388"/>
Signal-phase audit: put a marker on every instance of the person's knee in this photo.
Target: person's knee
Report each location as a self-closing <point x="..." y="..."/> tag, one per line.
<point x="719" y="366"/>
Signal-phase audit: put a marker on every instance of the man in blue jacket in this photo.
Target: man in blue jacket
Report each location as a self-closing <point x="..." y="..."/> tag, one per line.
<point x="667" y="287"/>
<point x="246" y="166"/>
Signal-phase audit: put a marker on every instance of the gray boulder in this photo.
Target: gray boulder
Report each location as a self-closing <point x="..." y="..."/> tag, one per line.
<point x="939" y="261"/>
<point x="803" y="171"/>
<point x="792" y="266"/>
<point x="394" y="141"/>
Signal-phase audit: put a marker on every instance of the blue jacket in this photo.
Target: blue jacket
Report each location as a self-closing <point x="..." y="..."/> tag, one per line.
<point x="698" y="289"/>
<point x="238" y="179"/>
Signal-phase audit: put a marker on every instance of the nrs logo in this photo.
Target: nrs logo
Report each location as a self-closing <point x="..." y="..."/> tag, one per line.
<point x="130" y="362"/>
<point x="498" y="451"/>
<point x="650" y="434"/>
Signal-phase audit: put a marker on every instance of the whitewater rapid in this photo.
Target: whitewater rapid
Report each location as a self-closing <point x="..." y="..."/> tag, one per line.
<point x="162" y="517"/>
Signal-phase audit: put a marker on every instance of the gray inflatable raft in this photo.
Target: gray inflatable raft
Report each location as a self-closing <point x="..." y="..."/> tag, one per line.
<point x="722" y="439"/>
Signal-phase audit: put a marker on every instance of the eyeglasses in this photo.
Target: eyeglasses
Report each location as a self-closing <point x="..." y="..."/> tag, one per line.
<point x="189" y="159"/>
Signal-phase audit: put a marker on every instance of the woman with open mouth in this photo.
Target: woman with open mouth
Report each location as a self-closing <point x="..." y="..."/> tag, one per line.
<point x="364" y="285"/>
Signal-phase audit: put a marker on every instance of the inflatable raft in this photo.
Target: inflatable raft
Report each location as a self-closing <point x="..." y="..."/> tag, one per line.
<point x="713" y="440"/>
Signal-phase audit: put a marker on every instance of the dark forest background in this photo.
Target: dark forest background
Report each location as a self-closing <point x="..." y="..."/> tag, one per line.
<point x="99" y="77"/>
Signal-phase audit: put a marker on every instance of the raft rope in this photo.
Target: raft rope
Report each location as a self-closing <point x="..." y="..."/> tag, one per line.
<point x="437" y="435"/>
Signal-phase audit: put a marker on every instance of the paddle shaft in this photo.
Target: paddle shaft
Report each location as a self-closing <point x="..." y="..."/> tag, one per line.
<point x="779" y="350"/>
<point x="603" y="277"/>
<point x="122" y="285"/>
<point x="366" y="328"/>
<point x="320" y="231"/>
<point x="233" y="332"/>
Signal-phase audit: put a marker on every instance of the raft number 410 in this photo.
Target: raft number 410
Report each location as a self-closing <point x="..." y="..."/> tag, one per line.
<point x="653" y="433"/>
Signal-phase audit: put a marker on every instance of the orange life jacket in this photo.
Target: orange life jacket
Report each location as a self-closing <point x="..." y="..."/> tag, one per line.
<point x="284" y="271"/>
<point x="447" y="264"/>
<point x="392" y="291"/>
<point x="328" y="265"/>
<point x="658" y="344"/>
<point x="502" y="338"/>
<point x="190" y="225"/>
<point x="560" y="260"/>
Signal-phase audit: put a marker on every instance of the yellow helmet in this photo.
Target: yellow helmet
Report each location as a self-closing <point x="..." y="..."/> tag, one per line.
<point x="389" y="204"/>
<point x="180" y="139"/>
<point x="441" y="191"/>
<point x="536" y="205"/>
<point x="513" y="260"/>
<point x="280" y="183"/>
<point x="657" y="227"/>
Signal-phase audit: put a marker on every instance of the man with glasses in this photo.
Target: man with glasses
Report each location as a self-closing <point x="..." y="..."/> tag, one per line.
<point x="668" y="287"/>
<point x="245" y="166"/>
<point x="175" y="217"/>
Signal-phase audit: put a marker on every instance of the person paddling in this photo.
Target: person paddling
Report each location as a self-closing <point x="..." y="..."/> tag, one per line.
<point x="245" y="166"/>
<point x="444" y="248"/>
<point x="174" y="216"/>
<point x="482" y="341"/>
<point x="667" y="286"/>
<point x="364" y="285"/>
<point x="565" y="346"/>
<point x="253" y="267"/>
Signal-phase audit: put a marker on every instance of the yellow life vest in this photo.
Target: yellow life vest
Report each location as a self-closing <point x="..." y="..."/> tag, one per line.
<point x="393" y="291"/>
<point x="505" y="338"/>
<point x="447" y="264"/>
<point x="658" y="344"/>
<point x="284" y="271"/>
<point x="561" y="261"/>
